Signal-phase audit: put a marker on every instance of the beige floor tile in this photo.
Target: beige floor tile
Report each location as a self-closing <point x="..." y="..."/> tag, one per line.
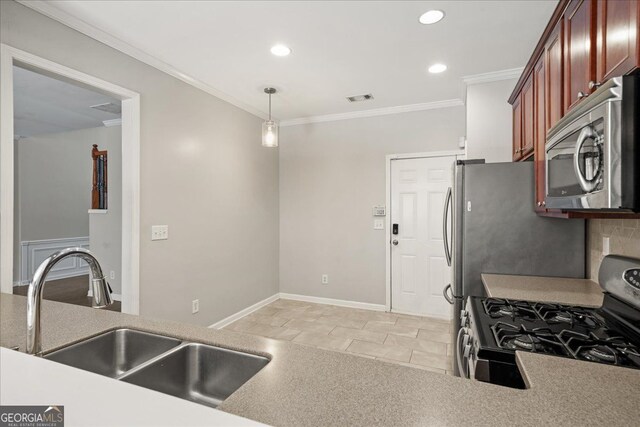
<point x="267" y="310"/>
<point x="431" y="360"/>
<point x="242" y="325"/>
<point x="380" y="350"/>
<point x="341" y="321"/>
<point x="378" y="326"/>
<point x="444" y="337"/>
<point x="358" y="334"/>
<point x="322" y="341"/>
<point x="417" y="344"/>
<point x="426" y="324"/>
<point x="306" y="325"/>
<point x="266" y="320"/>
<point x="285" y="334"/>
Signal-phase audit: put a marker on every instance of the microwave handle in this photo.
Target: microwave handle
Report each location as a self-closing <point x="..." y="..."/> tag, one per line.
<point x="587" y="185"/>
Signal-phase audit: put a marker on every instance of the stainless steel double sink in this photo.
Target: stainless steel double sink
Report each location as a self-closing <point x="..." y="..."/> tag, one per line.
<point x="200" y="373"/>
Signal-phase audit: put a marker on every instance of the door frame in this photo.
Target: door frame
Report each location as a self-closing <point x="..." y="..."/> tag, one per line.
<point x="130" y="251"/>
<point x="459" y="154"/>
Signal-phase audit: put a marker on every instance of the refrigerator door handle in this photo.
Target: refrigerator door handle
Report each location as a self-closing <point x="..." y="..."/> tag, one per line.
<point x="445" y="236"/>
<point x="448" y="295"/>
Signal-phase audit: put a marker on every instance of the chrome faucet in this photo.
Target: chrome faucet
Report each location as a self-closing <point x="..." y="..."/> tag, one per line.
<point x="101" y="292"/>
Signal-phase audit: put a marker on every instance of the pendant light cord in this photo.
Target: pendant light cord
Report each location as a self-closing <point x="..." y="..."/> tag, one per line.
<point x="269" y="107"/>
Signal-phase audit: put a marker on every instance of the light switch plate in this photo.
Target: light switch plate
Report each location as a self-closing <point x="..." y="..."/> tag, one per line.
<point x="378" y="224"/>
<point x="159" y="232"/>
<point x="195" y="306"/>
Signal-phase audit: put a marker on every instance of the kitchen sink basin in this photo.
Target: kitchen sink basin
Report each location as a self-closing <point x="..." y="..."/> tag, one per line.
<point x="115" y="352"/>
<point x="200" y="373"/>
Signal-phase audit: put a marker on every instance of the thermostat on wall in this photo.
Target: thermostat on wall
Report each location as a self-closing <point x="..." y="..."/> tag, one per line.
<point x="379" y="211"/>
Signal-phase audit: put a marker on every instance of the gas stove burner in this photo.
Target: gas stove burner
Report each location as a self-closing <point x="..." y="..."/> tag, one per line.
<point x="539" y="340"/>
<point x="526" y="342"/>
<point x="600" y="354"/>
<point x="500" y="308"/>
<point x="562" y="314"/>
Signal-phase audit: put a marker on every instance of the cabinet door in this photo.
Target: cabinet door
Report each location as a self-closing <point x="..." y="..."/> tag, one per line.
<point x="617" y="35"/>
<point x="540" y="131"/>
<point x="579" y="49"/>
<point x="528" y="119"/>
<point x="554" y="66"/>
<point x="517" y="128"/>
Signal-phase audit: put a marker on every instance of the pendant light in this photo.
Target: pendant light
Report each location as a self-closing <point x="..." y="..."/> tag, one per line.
<point x="269" y="128"/>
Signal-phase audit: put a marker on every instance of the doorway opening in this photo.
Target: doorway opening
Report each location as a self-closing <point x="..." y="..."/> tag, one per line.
<point x="417" y="268"/>
<point x="69" y="157"/>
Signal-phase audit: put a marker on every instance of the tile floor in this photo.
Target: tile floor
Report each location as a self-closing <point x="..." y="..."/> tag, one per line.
<point x="419" y="342"/>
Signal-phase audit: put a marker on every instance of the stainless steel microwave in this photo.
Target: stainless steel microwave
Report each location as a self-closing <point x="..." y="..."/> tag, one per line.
<point x="593" y="153"/>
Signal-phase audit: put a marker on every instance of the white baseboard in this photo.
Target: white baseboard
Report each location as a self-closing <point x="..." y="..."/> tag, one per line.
<point x="242" y="313"/>
<point x="331" y="301"/>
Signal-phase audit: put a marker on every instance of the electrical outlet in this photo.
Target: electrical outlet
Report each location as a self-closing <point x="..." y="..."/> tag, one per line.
<point x="606" y="249"/>
<point x="325" y="279"/>
<point x="378" y="224"/>
<point x="195" y="306"/>
<point x="112" y="275"/>
<point x="159" y="232"/>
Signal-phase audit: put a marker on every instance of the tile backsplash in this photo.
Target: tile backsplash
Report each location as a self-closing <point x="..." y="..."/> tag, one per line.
<point x="624" y="239"/>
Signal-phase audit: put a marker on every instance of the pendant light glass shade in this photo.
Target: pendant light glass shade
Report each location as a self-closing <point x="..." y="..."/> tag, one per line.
<point x="269" y="134"/>
<point x="269" y="128"/>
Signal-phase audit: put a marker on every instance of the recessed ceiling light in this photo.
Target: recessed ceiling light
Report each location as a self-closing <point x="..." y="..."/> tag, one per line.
<point x="431" y="16"/>
<point x="280" y="50"/>
<point x="437" y="68"/>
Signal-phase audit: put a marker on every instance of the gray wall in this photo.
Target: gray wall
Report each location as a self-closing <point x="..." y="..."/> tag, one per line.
<point x="489" y="121"/>
<point x="203" y="172"/>
<point x="331" y="176"/>
<point x="105" y="229"/>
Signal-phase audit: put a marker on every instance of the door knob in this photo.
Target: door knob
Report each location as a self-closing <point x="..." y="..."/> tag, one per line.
<point x="395" y="242"/>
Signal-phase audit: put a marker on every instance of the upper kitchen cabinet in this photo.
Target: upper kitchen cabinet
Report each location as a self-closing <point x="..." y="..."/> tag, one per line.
<point x="540" y="131"/>
<point x="579" y="51"/>
<point x="528" y="124"/>
<point x="618" y="50"/>
<point x="553" y="58"/>
<point x="517" y="128"/>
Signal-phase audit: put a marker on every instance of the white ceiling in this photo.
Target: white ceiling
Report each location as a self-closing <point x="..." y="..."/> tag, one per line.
<point x="340" y="48"/>
<point x="42" y="105"/>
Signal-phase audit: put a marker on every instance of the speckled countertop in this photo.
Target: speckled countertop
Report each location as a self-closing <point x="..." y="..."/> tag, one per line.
<point x="305" y="386"/>
<point x="548" y="289"/>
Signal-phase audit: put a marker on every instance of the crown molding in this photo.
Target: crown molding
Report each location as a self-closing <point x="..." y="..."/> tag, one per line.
<point x="493" y="76"/>
<point x="372" y="113"/>
<point x="49" y="10"/>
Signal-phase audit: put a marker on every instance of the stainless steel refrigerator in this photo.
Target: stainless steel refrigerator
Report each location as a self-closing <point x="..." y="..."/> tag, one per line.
<point x="494" y="229"/>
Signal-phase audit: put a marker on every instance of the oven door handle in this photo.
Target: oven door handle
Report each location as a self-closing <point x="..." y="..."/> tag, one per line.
<point x="461" y="370"/>
<point x="587" y="185"/>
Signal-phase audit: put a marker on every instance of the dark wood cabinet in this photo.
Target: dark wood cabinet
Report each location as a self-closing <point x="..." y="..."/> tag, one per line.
<point x="617" y="38"/>
<point x="579" y="51"/>
<point x="553" y="58"/>
<point x="585" y="43"/>
<point x="528" y="119"/>
<point x="540" y="131"/>
<point x="517" y="129"/>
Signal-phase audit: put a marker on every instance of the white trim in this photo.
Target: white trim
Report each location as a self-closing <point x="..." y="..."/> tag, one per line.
<point x="97" y="211"/>
<point x="130" y="168"/>
<point x="460" y="154"/>
<point x="493" y="76"/>
<point x="245" y="312"/>
<point x="112" y="122"/>
<point x="372" y="113"/>
<point x="33" y="252"/>
<point x="331" y="301"/>
<point x="83" y="27"/>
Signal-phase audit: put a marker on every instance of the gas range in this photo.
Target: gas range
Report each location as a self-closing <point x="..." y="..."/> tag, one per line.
<point x="494" y="329"/>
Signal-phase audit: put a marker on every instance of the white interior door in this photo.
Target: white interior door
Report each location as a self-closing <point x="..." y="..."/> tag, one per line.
<point x="419" y="270"/>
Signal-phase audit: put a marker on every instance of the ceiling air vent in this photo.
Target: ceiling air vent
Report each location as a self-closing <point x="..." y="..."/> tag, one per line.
<point x="360" y="98"/>
<point x="108" y="107"/>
